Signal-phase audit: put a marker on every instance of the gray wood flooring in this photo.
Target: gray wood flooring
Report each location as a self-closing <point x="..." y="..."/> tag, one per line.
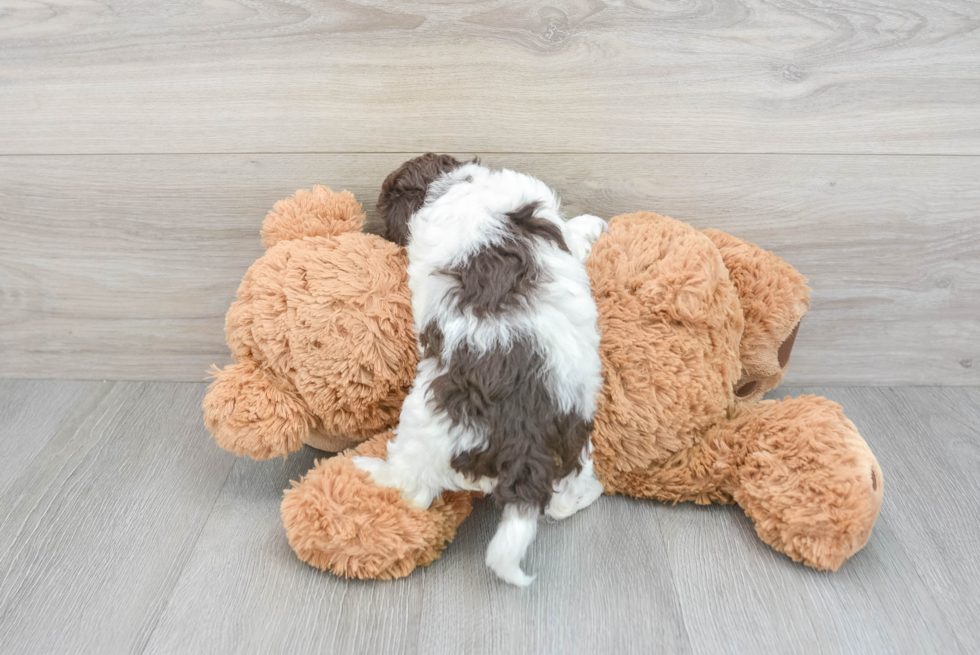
<point x="124" y="529"/>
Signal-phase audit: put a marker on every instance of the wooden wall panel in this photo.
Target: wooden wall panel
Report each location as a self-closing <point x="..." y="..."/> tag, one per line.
<point x="646" y="76"/>
<point x="123" y="266"/>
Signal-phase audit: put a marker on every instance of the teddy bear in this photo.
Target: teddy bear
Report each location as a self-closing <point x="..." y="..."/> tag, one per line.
<point x="696" y="327"/>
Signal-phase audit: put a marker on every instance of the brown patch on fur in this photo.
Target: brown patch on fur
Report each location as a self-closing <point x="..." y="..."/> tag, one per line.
<point x="403" y="192"/>
<point x="530" y="445"/>
<point x="501" y="277"/>
<point x="430" y="342"/>
<point x="528" y="226"/>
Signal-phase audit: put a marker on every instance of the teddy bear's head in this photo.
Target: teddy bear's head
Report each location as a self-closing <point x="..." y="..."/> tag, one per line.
<point x="321" y="332"/>
<point x="774" y="297"/>
<point x="692" y="323"/>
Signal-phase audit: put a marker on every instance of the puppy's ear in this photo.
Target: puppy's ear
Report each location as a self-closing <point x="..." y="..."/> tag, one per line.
<point x="403" y="192"/>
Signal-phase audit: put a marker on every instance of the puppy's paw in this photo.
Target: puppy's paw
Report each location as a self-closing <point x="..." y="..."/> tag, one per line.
<point x="578" y="494"/>
<point x="375" y="467"/>
<point x="383" y="474"/>
<point x="583" y="231"/>
<point x="589" y="227"/>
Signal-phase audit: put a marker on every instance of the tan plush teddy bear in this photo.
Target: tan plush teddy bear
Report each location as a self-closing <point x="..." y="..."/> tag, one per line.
<point x="696" y="327"/>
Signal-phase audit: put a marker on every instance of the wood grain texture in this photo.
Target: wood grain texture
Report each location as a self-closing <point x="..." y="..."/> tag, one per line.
<point x="583" y="600"/>
<point x="927" y="441"/>
<point x="491" y="75"/>
<point x="244" y="590"/>
<point x="94" y="531"/>
<point x="31" y="412"/>
<point x="126" y="533"/>
<point x="123" y="266"/>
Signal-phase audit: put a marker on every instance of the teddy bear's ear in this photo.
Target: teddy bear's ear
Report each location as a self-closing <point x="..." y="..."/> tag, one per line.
<point x="667" y="264"/>
<point x="774" y="298"/>
<point x="317" y="213"/>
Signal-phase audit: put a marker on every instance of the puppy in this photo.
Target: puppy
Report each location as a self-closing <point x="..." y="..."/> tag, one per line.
<point x="509" y="364"/>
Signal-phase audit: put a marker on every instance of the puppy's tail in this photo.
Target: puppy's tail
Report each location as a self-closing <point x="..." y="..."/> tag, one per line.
<point x="511" y="541"/>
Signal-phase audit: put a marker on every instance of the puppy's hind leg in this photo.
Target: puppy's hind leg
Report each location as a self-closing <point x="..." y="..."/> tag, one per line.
<point x="576" y="491"/>
<point x="510" y="543"/>
<point x="581" y="232"/>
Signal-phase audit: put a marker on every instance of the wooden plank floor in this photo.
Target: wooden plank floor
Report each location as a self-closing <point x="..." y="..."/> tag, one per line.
<point x="124" y="529"/>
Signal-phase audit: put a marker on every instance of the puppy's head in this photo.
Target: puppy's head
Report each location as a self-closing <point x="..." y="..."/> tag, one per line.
<point x="403" y="192"/>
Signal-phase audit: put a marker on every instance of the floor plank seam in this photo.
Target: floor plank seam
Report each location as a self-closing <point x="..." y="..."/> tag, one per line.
<point x="673" y="580"/>
<point x="418" y="625"/>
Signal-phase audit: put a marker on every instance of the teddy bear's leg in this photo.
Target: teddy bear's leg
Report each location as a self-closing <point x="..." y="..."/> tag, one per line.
<point x="803" y="474"/>
<point x="774" y="299"/>
<point x="249" y="414"/>
<point x="337" y="519"/>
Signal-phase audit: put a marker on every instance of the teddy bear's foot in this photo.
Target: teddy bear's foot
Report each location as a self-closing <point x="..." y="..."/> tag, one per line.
<point x="806" y="478"/>
<point x="249" y="414"/>
<point x="337" y="519"/>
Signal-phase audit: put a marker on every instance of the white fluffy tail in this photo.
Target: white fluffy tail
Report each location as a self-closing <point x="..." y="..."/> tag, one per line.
<point x="511" y="541"/>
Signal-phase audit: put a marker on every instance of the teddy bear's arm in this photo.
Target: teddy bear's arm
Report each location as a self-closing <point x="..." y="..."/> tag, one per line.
<point x="797" y="467"/>
<point x="249" y="413"/>
<point x="803" y="474"/>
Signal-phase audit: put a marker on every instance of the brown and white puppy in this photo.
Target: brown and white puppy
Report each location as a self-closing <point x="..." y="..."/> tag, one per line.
<point x="509" y="370"/>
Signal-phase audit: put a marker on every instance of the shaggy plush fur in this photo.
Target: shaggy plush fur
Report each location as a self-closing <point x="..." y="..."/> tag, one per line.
<point x="763" y="282"/>
<point x="335" y="509"/>
<point x="321" y="332"/>
<point x="686" y="318"/>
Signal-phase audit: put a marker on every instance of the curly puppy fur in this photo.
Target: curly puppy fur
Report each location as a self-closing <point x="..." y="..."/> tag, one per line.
<point x="509" y="369"/>
<point x="403" y="192"/>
